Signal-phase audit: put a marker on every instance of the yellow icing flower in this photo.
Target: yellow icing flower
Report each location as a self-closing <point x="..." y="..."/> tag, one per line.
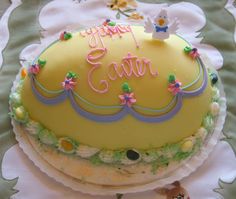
<point x="116" y="4"/>
<point x="135" y="16"/>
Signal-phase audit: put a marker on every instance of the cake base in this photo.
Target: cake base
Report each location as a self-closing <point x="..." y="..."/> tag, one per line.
<point x="37" y="153"/>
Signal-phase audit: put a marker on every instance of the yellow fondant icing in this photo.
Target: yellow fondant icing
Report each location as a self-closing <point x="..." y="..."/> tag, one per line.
<point x="167" y="57"/>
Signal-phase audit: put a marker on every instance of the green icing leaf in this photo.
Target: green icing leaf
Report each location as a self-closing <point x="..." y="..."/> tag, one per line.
<point x="181" y="155"/>
<point x="67" y="36"/>
<point x="95" y="160"/>
<point x="227" y="190"/>
<point x="118" y="155"/>
<point x="187" y="49"/>
<point x="71" y="74"/>
<point x="112" y="23"/>
<point x="216" y="94"/>
<point x="208" y="122"/>
<point x="47" y="137"/>
<point x="171" y="78"/>
<point x="161" y="161"/>
<point x="170" y="148"/>
<point x="126" y="88"/>
<point x="42" y="63"/>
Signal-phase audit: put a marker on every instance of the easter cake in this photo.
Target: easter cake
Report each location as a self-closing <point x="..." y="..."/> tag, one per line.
<point x="117" y="104"/>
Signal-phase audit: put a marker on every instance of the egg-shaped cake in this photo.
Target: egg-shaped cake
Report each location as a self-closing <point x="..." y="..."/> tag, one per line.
<point x="110" y="105"/>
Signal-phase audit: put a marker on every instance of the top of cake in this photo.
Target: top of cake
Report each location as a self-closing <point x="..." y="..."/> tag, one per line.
<point x="114" y="87"/>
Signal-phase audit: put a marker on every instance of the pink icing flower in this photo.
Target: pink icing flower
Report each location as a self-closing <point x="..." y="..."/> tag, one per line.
<point x="34" y="69"/>
<point x="68" y="84"/>
<point x="127" y="99"/>
<point x="194" y="53"/>
<point x="174" y="87"/>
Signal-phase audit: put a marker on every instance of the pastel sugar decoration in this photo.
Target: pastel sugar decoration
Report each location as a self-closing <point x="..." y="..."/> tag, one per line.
<point x="65" y="36"/>
<point x="214" y="78"/>
<point x="192" y="52"/>
<point x="70" y="81"/>
<point x="34" y="69"/>
<point x="23" y="73"/>
<point x="42" y="63"/>
<point x="187" y="49"/>
<point x="108" y="22"/>
<point x="71" y="75"/>
<point x="105" y="23"/>
<point x="127" y="98"/>
<point x="126" y="88"/>
<point x="66" y="145"/>
<point x="174" y="85"/>
<point x="160" y="27"/>
<point x="68" y="84"/>
<point x="20" y="113"/>
<point x="187" y="146"/>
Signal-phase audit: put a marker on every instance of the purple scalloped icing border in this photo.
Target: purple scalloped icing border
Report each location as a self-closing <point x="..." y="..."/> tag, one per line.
<point x="126" y="109"/>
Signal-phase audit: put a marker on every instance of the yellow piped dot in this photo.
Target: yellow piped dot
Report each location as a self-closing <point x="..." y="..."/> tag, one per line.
<point x="19" y="113"/>
<point x="187" y="146"/>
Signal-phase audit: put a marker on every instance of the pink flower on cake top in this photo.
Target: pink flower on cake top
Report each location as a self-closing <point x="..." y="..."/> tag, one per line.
<point x="160" y="28"/>
<point x="192" y="52"/>
<point x="70" y="81"/>
<point x="127" y="98"/>
<point x="174" y="85"/>
<point x="35" y="68"/>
